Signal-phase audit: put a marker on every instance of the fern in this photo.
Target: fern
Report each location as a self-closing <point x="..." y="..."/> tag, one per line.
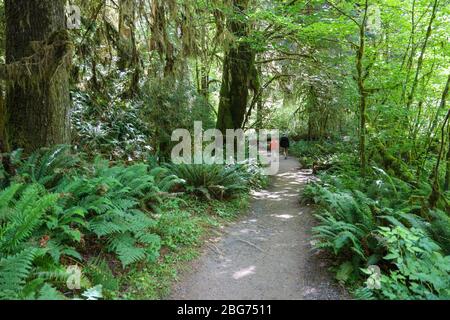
<point x="25" y="217"/>
<point x="48" y="292"/>
<point x="26" y="271"/>
<point x="364" y="294"/>
<point x="100" y="273"/>
<point x="125" y="247"/>
<point x="47" y="166"/>
<point x="14" y="272"/>
<point x="7" y="195"/>
<point x="211" y="181"/>
<point x="339" y="235"/>
<point x="164" y="180"/>
<point x="116" y="200"/>
<point x="109" y="206"/>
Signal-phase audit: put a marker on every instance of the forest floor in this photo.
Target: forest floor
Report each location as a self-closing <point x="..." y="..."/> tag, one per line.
<point x="267" y="254"/>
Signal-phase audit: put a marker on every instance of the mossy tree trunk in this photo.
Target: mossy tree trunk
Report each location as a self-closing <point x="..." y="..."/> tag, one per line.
<point x="129" y="58"/>
<point x="204" y="81"/>
<point x="239" y="63"/>
<point x="447" y="170"/>
<point x="260" y="99"/>
<point x="37" y="104"/>
<point x="436" y="194"/>
<point x="361" y="77"/>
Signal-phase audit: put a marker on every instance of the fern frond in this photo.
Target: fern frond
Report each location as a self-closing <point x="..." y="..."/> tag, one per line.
<point x="48" y="292"/>
<point x="14" y="271"/>
<point x="46" y="166"/>
<point x="7" y="195"/>
<point x="127" y="251"/>
<point x="26" y="217"/>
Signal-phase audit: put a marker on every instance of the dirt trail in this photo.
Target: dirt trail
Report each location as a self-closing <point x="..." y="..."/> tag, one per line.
<point x="268" y="254"/>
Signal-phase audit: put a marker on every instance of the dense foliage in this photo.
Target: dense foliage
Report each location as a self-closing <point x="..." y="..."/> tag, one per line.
<point x="360" y="86"/>
<point x="59" y="209"/>
<point x="385" y="222"/>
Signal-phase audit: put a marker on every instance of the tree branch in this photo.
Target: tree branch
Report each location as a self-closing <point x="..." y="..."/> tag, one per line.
<point x="344" y="13"/>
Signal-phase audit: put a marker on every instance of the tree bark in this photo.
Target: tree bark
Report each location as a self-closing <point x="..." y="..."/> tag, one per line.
<point x="436" y="192"/>
<point x="435" y="195"/>
<point x="447" y="170"/>
<point x="127" y="49"/>
<point x="37" y="103"/>
<point x="2" y="118"/>
<point x="160" y="39"/>
<point x="238" y="70"/>
<point x="431" y="132"/>
<point x="204" y="81"/>
<point x="442" y="106"/>
<point x="260" y="101"/>
<point x="362" y="91"/>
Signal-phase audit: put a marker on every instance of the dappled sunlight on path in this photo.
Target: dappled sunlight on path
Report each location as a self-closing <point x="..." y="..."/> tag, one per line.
<point x="268" y="254"/>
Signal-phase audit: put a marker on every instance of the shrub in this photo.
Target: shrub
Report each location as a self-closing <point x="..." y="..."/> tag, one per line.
<point x="346" y="223"/>
<point x="178" y="228"/>
<point x="46" y="166"/>
<point x="26" y="265"/>
<point x="182" y="107"/>
<point x="421" y="271"/>
<point x="211" y="181"/>
<point x="114" y="199"/>
<point x="252" y="173"/>
<point x="109" y="126"/>
<point x="440" y="229"/>
<point x="60" y="209"/>
<point x="320" y="155"/>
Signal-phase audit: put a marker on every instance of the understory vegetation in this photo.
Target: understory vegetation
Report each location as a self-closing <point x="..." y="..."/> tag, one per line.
<point x="91" y="94"/>
<point x="389" y="242"/>
<point x="59" y="209"/>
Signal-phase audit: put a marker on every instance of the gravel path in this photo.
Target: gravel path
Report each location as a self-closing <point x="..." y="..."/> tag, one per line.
<point x="267" y="255"/>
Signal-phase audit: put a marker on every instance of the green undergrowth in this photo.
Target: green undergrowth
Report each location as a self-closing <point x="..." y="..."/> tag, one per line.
<point x="388" y="242"/>
<point x="114" y="222"/>
<point x="193" y="222"/>
<point x="318" y="154"/>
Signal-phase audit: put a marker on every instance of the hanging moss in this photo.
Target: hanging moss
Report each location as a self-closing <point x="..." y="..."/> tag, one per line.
<point x="49" y="57"/>
<point x="37" y="70"/>
<point x="239" y="73"/>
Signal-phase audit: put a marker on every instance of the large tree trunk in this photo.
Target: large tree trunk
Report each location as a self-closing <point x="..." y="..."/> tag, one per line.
<point x="204" y="81"/>
<point x="237" y="73"/>
<point x="125" y="35"/>
<point x="37" y="102"/>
